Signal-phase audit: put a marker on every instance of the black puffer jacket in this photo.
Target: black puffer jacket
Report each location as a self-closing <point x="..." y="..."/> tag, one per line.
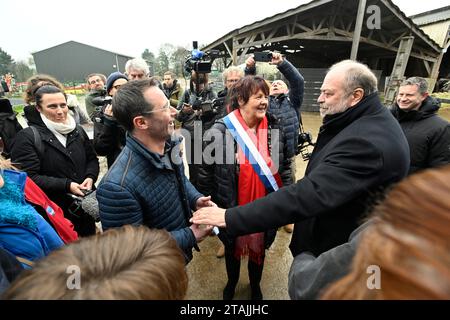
<point x="221" y="180"/>
<point x="109" y="137"/>
<point x="56" y="167"/>
<point x="188" y="120"/>
<point x="428" y="135"/>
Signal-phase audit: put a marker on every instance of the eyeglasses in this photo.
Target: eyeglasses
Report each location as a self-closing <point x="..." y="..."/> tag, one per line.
<point x="95" y="81"/>
<point x="164" y="108"/>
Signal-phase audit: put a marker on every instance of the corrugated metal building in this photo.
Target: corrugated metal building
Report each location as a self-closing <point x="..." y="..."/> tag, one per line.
<point x="72" y="61"/>
<point x="436" y="24"/>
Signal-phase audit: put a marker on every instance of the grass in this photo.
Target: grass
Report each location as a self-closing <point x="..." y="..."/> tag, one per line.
<point x="18" y="108"/>
<point x="443" y="95"/>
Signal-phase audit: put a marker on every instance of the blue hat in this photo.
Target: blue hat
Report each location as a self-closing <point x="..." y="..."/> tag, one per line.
<point x="112" y="78"/>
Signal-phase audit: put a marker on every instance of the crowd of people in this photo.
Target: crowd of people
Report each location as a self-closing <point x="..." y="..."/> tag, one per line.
<point x="374" y="193"/>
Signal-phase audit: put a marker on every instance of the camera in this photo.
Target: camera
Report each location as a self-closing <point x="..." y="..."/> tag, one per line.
<point x="200" y="61"/>
<point x="101" y="102"/>
<point x="305" y="140"/>
<point x="208" y="106"/>
<point x="262" y="56"/>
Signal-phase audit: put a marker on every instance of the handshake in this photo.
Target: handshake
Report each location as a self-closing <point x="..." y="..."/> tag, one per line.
<point x="207" y="214"/>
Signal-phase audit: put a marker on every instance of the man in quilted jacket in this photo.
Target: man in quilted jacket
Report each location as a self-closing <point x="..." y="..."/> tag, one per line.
<point x="146" y="185"/>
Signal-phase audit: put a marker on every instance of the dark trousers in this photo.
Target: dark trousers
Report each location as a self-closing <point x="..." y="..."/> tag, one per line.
<point x="233" y="267"/>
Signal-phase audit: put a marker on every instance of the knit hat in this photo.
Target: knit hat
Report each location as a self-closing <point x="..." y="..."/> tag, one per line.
<point x="112" y="78"/>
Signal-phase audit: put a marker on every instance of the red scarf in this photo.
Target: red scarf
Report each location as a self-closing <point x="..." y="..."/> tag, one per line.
<point x="251" y="188"/>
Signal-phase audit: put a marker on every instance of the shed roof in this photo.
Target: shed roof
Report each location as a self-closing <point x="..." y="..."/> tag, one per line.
<point x="433" y="16"/>
<point x="82" y="44"/>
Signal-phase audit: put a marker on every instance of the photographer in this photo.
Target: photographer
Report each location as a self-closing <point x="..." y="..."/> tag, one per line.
<point x="109" y="136"/>
<point x="285" y="104"/>
<point x="193" y="117"/>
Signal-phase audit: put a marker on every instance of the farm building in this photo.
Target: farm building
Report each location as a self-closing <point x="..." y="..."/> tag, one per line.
<point x="436" y="24"/>
<point x="315" y="35"/>
<point x="73" y="61"/>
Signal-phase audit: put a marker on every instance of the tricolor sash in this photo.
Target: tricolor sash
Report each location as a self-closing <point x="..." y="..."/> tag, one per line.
<point x="235" y="126"/>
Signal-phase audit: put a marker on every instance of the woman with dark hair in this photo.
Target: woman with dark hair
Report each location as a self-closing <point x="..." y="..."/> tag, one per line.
<point x="39" y="80"/>
<point x="407" y="243"/>
<point x="58" y="156"/>
<point x="193" y="119"/>
<point x="244" y="144"/>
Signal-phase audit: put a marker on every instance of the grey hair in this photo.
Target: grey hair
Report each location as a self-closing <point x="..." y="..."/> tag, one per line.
<point x="138" y="64"/>
<point x="421" y="84"/>
<point x="232" y="69"/>
<point x="357" y="75"/>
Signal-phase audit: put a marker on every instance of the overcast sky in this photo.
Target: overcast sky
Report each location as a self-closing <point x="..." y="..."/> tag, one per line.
<point x="130" y="26"/>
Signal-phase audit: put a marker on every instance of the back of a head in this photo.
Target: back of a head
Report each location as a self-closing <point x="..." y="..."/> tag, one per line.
<point x="356" y="75"/>
<point x="408" y="240"/>
<point x="128" y="263"/>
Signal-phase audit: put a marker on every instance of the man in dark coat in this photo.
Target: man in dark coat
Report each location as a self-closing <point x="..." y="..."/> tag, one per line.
<point x="146" y="184"/>
<point x="428" y="134"/>
<point x="360" y="150"/>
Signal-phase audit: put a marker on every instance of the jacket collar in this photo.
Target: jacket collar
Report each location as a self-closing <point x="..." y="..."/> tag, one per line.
<point x="158" y="161"/>
<point x="368" y="106"/>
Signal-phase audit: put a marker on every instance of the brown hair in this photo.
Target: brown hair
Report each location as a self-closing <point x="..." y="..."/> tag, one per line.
<point x="245" y="88"/>
<point x="203" y="78"/>
<point x="409" y="240"/>
<point x="37" y="81"/>
<point x="130" y="263"/>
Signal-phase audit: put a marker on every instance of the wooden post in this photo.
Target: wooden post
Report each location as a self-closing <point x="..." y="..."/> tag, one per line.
<point x="235" y="57"/>
<point x="434" y="74"/>
<point x="358" y="28"/>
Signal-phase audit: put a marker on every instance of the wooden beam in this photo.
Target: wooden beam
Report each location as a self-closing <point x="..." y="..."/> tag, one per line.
<point x="228" y="49"/>
<point x="410" y="25"/>
<point x="358" y="28"/>
<point x="235" y="58"/>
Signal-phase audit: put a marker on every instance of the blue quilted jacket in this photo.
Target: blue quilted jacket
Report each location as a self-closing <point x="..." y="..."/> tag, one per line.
<point x="142" y="188"/>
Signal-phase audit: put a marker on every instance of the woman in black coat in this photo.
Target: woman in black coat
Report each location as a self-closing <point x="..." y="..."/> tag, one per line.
<point x="58" y="156"/>
<point x="232" y="181"/>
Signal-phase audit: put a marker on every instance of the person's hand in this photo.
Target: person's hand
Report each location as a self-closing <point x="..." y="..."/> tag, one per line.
<point x="277" y="58"/>
<point x="200" y="232"/>
<point x="108" y="111"/>
<point x="204" y="202"/>
<point x="214" y="216"/>
<point x="87" y="184"/>
<point x="250" y="62"/>
<point x="75" y="189"/>
<point x="187" y="108"/>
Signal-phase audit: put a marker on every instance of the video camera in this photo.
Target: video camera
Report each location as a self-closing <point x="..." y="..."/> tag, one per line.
<point x="305" y="140"/>
<point x="101" y="102"/>
<point x="200" y="61"/>
<point x="209" y="106"/>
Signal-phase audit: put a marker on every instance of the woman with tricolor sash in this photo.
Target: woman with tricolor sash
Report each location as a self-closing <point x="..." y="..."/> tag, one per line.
<point x="247" y="161"/>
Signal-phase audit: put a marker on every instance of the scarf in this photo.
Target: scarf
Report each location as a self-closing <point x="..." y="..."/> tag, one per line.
<point x="60" y="130"/>
<point x="250" y="188"/>
<point x="14" y="208"/>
